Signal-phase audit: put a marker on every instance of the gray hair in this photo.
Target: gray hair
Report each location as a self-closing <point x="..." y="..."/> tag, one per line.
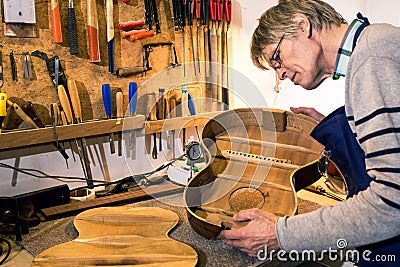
<point x="277" y="21"/>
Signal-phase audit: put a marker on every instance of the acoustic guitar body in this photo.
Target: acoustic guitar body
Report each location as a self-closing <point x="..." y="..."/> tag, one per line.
<point x="256" y="158"/>
<point x="116" y="236"/>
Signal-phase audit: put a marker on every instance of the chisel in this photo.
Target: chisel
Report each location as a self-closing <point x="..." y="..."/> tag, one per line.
<point x="190" y="24"/>
<point x="110" y="36"/>
<point x="173" y="115"/>
<point x="132" y="109"/>
<point x="66" y="112"/>
<point x="151" y="102"/>
<point x="192" y="110"/>
<point x="3" y="108"/>
<point x="53" y="115"/>
<point x="119" y="103"/>
<point x="28" y="108"/>
<point x="161" y="112"/>
<point x="107" y="101"/>
<point x="83" y="155"/>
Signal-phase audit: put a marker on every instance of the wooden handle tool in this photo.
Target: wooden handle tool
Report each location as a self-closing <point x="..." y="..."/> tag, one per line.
<point x="93" y="31"/>
<point x="56" y="21"/>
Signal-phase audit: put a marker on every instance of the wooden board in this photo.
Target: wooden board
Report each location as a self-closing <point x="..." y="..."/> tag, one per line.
<point x="129" y="236"/>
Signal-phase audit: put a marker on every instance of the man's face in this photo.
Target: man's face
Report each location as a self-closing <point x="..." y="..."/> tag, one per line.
<point x="300" y="59"/>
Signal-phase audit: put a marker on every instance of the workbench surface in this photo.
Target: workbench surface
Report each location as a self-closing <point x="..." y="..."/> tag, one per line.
<point x="210" y="252"/>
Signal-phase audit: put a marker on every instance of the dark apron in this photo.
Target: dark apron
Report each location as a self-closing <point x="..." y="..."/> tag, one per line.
<point x="335" y="134"/>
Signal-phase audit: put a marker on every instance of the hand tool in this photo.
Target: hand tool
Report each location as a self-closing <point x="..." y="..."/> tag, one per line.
<point x="192" y="110"/>
<point x="125" y="34"/>
<point x="161" y="112"/>
<point x="107" y="101"/>
<point x="151" y="107"/>
<point x="28" y="108"/>
<point x="22" y="114"/>
<point x="83" y="156"/>
<point x="51" y="64"/>
<point x="182" y="20"/>
<point x="72" y="29"/>
<point x="1" y="69"/>
<point x="13" y="66"/>
<point x="133" y="94"/>
<point x="213" y="49"/>
<point x="120" y="114"/>
<point x="185" y="111"/>
<point x="220" y="52"/>
<point x="198" y="18"/>
<point x="53" y="115"/>
<point x="93" y="31"/>
<point x="167" y="110"/>
<point x="141" y="35"/>
<point x="129" y="25"/>
<point x="56" y="72"/>
<point x="66" y="112"/>
<point x="205" y="11"/>
<point x="228" y="36"/>
<point x="110" y="36"/>
<point x="3" y="108"/>
<point x="155" y="16"/>
<point x="65" y="104"/>
<point x="26" y="65"/>
<point x="173" y="115"/>
<point x="56" y="21"/>
<point x="190" y="24"/>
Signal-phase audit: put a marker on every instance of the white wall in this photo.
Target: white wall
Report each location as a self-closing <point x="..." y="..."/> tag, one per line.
<point x="330" y="94"/>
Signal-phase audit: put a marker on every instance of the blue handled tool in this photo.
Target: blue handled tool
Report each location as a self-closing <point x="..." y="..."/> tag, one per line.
<point x="132" y="97"/>
<point x="192" y="110"/>
<point x="133" y="87"/>
<point x="107" y="101"/>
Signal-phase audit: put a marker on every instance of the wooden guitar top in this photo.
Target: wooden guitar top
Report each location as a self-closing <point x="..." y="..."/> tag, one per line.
<point x="114" y="236"/>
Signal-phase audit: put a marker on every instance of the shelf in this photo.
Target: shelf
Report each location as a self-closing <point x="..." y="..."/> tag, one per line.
<point x="29" y="137"/>
<point x="21" y="138"/>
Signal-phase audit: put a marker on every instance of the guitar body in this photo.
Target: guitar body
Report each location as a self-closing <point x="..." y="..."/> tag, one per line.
<point x="256" y="158"/>
<point x="113" y="236"/>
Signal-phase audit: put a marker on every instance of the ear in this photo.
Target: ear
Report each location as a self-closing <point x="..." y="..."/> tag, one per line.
<point x="303" y="24"/>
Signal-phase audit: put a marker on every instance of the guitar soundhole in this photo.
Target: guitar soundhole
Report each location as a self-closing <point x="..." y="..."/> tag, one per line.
<point x="246" y="198"/>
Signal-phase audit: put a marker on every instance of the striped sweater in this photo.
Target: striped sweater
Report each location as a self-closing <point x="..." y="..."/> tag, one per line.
<point x="373" y="110"/>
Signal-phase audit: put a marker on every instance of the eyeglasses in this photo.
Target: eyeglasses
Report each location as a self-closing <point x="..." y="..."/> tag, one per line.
<point x="334" y="178"/>
<point x="276" y="61"/>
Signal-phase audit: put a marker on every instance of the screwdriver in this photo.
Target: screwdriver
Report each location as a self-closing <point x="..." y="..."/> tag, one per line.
<point x="132" y="109"/>
<point x="107" y="101"/>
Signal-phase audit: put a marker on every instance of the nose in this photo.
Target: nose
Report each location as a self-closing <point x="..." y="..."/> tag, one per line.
<point x="281" y="73"/>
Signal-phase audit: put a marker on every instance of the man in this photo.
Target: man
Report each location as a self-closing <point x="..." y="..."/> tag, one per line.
<point x="307" y="41"/>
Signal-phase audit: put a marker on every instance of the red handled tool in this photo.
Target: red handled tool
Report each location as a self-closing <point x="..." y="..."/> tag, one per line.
<point x="56" y="21"/>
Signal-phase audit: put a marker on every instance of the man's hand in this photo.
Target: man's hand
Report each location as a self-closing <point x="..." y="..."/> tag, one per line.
<point x="257" y="234"/>
<point x="311" y="112"/>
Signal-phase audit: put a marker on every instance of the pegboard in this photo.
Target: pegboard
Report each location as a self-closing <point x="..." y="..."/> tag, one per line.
<point x="89" y="77"/>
